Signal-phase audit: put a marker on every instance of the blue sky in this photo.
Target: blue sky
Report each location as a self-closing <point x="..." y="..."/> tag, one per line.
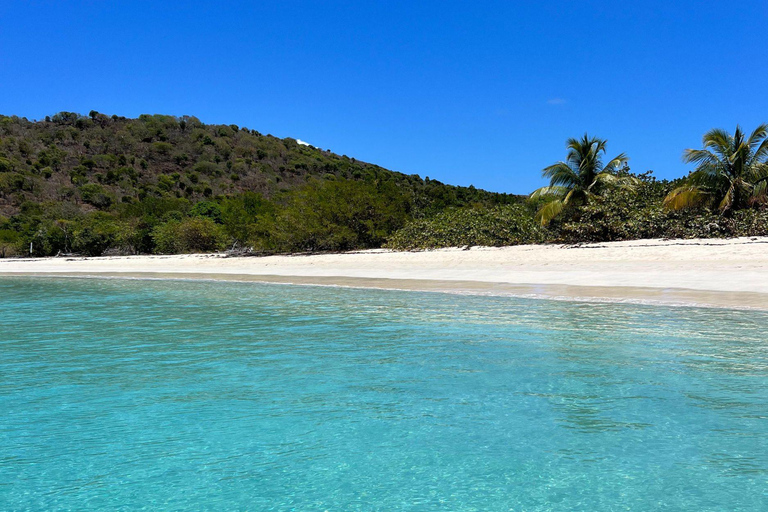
<point x="481" y="93"/>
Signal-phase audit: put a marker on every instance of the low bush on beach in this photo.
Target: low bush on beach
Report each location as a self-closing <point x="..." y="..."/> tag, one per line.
<point x="632" y="218"/>
<point x="458" y="227"/>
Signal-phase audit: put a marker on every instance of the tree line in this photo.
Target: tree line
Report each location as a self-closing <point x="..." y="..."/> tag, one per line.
<point x="589" y="199"/>
<point x="98" y="184"/>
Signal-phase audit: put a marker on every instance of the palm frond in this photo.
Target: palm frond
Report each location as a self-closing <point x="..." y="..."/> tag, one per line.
<point x="609" y="180"/>
<point x="761" y="153"/>
<point x="760" y="192"/>
<point x="614" y="164"/>
<point x="710" y="177"/>
<point x="689" y="196"/>
<point x="728" y="200"/>
<point x="758" y="137"/>
<point x="549" y="211"/>
<point x="551" y="191"/>
<point x="759" y="174"/>
<point x="560" y="174"/>
<point x="604" y="178"/>
<point x="719" y="140"/>
<point x="692" y="156"/>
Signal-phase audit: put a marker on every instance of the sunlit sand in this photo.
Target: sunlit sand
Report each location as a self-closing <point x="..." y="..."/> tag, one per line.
<point x="730" y="273"/>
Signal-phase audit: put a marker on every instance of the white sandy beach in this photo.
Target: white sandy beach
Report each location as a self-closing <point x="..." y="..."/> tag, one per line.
<point x="731" y="273"/>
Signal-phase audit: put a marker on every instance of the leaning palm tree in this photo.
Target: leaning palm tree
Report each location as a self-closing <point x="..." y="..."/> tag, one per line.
<point x="581" y="178"/>
<point x="732" y="172"/>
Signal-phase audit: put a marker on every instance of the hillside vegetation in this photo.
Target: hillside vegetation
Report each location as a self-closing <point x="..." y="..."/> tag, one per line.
<point x="96" y="185"/>
<point x="91" y="184"/>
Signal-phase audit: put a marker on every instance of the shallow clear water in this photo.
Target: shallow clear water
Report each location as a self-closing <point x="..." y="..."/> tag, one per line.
<point x="238" y="396"/>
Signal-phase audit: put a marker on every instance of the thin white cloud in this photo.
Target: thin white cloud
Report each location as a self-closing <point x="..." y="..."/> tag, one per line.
<point x="557" y="101"/>
<point x="303" y="143"/>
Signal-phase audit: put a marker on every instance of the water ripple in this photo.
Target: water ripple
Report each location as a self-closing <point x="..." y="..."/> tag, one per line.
<point x="203" y="395"/>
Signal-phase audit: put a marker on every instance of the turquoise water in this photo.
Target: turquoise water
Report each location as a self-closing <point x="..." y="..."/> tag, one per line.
<point x="238" y="396"/>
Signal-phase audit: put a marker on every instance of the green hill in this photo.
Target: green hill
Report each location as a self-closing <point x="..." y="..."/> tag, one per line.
<point x="159" y="183"/>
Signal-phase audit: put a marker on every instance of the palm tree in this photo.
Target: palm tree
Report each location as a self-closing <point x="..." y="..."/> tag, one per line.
<point x="581" y="178"/>
<point x="732" y="171"/>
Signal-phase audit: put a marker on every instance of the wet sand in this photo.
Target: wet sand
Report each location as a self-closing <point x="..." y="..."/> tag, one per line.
<point x="716" y="273"/>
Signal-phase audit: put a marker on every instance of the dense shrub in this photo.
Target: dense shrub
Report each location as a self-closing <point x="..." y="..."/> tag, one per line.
<point x="247" y="218"/>
<point x="456" y="227"/>
<point x="195" y="234"/>
<point x="207" y="209"/>
<point x="94" y="235"/>
<point x="336" y="216"/>
<point x="9" y="244"/>
<point x="10" y="240"/>
<point x="628" y="217"/>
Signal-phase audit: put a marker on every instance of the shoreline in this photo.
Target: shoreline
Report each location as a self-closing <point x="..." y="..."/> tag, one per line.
<point x="669" y="297"/>
<point x="722" y="273"/>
